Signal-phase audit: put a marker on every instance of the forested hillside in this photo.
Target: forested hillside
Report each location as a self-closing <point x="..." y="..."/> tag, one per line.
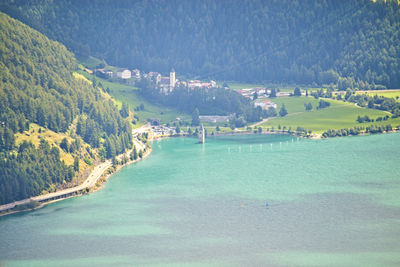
<point x="212" y="101"/>
<point x="37" y="85"/>
<point x="353" y="44"/>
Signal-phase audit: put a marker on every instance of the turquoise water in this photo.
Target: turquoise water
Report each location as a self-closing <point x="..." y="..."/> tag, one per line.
<point x="332" y="202"/>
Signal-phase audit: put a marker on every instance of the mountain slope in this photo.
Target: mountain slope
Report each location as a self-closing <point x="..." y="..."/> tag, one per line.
<point x="38" y="87"/>
<point x="324" y="42"/>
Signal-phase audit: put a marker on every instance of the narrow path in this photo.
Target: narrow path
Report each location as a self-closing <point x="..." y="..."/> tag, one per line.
<point x="261" y="122"/>
<point x="90" y="181"/>
<point x="344" y="104"/>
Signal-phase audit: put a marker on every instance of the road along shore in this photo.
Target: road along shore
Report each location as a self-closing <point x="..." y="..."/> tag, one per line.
<point x="96" y="177"/>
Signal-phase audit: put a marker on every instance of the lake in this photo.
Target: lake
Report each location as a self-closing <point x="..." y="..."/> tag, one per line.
<point x="256" y="200"/>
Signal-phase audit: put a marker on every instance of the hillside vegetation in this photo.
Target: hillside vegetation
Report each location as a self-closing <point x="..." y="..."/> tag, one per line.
<point x="395" y="94"/>
<point x="353" y="44"/>
<point x="38" y="87"/>
<point x="339" y="115"/>
<point x="144" y="109"/>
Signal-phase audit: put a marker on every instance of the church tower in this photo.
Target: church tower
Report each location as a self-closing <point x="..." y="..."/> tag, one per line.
<point x="172" y="80"/>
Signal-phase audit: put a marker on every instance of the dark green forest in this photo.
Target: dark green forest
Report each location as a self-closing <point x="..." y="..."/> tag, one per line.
<point x="37" y="85"/>
<point x="30" y="171"/>
<point x="352" y="44"/>
<point x="212" y="101"/>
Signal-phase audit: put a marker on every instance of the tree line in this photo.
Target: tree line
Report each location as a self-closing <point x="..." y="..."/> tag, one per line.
<point x="362" y="100"/>
<point x="352" y="44"/>
<point x="31" y="171"/>
<point x="210" y="101"/>
<point x="373" y="129"/>
<point x="375" y="102"/>
<point x="37" y="85"/>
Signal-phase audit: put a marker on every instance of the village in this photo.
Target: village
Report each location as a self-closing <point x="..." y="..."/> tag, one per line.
<point x="168" y="84"/>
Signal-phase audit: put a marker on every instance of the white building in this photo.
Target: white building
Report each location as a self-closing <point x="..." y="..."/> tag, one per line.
<point x="124" y="74"/>
<point x="282" y="94"/>
<point x="109" y="73"/>
<point x="105" y="72"/>
<point x="164" y="85"/>
<point x="249" y="92"/>
<point x="215" y="119"/>
<point x="246" y="92"/>
<point x="155" y="76"/>
<point x="260" y="90"/>
<point x="194" y="83"/>
<point x="136" y="74"/>
<point x="172" y="80"/>
<point x="265" y="104"/>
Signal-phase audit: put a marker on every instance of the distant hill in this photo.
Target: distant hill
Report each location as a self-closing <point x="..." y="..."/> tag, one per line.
<point x="354" y="44"/>
<point x="43" y="100"/>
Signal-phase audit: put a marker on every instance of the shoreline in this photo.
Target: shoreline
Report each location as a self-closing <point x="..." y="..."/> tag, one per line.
<point x="35" y="202"/>
<point x="102" y="179"/>
<point x="311" y="137"/>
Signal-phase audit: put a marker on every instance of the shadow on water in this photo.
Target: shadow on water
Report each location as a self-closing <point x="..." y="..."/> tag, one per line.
<point x="49" y="210"/>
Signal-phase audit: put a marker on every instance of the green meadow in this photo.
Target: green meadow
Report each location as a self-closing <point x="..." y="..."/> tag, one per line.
<point x="390" y="94"/>
<point x="129" y="94"/>
<point x="238" y="86"/>
<point x="92" y="63"/>
<point x="294" y="104"/>
<point x="338" y="116"/>
<point x="283" y="88"/>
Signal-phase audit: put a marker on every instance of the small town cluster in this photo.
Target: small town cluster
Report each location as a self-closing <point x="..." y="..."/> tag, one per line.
<point x="168" y="84"/>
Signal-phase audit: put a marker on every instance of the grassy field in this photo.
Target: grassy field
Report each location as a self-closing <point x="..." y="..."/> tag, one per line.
<point x="294" y="104"/>
<point x="238" y="86"/>
<point x="53" y="138"/>
<point x="80" y="76"/>
<point x="282" y="88"/>
<point x="133" y="99"/>
<point x="129" y="94"/>
<point x="390" y="94"/>
<point x="92" y="62"/>
<point x="290" y="88"/>
<point x="338" y="116"/>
